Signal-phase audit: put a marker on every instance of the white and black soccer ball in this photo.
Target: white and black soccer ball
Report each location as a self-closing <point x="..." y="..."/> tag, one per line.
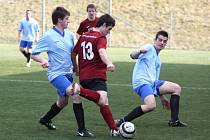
<point x="127" y="130"/>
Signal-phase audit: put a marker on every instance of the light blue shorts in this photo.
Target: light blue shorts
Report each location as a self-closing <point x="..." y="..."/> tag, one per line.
<point x="61" y="83"/>
<point x="147" y="89"/>
<point x="24" y="44"/>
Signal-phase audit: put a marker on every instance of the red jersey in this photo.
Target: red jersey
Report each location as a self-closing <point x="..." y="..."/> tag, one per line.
<point x="86" y="25"/>
<point x="90" y="64"/>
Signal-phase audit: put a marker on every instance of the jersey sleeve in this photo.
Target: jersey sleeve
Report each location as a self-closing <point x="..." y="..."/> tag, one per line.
<point x="146" y="55"/>
<point x="71" y="38"/>
<point x="75" y="50"/>
<point x="80" y="29"/>
<point x="42" y="45"/>
<point x="37" y="29"/>
<point x="102" y="42"/>
<point x="147" y="47"/>
<point x="20" y="26"/>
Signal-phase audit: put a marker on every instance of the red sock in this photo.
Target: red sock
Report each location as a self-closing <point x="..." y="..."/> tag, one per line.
<point x="107" y="115"/>
<point x="90" y="94"/>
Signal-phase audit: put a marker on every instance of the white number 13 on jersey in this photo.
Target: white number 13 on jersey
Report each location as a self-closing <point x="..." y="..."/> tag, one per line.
<point x="87" y="50"/>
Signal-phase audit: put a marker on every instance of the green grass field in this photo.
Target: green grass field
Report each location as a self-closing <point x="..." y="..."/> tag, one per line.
<point x="25" y="95"/>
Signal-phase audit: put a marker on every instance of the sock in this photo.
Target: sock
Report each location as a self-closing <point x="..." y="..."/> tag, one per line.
<point x="107" y="115"/>
<point x="28" y="57"/>
<point x="54" y="110"/>
<point x="90" y="94"/>
<point x="174" y="103"/>
<point x="135" y="113"/>
<point x="24" y="53"/>
<point x="79" y="114"/>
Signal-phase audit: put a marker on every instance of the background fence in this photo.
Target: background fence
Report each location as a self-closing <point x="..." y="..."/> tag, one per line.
<point x="187" y="21"/>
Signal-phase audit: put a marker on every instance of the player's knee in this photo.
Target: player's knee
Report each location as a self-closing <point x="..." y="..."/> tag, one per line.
<point x="76" y="99"/>
<point x="103" y="101"/>
<point x="29" y="50"/>
<point x="177" y="89"/>
<point x="62" y="104"/>
<point x="69" y="91"/>
<point x="151" y="107"/>
<point x="21" y="49"/>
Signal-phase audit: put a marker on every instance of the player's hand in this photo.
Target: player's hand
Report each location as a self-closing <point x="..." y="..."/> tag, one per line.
<point x="45" y="64"/>
<point x="143" y="50"/>
<point x="110" y="67"/>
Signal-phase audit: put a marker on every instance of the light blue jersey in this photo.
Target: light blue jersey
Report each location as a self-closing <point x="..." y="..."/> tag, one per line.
<point x="147" y="67"/>
<point x="29" y="28"/>
<point x="58" y="47"/>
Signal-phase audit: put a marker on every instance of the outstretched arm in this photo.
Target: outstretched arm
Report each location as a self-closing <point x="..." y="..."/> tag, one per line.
<point x="38" y="58"/>
<point x="135" y="54"/>
<point x="74" y="63"/>
<point x="19" y="36"/>
<point x="105" y="59"/>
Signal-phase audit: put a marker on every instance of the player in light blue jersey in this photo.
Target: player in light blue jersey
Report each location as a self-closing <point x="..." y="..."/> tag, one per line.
<point x="58" y="43"/>
<point x="147" y="85"/>
<point x="28" y="33"/>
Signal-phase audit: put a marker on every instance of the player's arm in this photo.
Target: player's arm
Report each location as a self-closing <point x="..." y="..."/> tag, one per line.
<point x="36" y="36"/>
<point x="37" y="29"/>
<point x="79" y="31"/>
<point x="42" y="46"/>
<point x="19" y="36"/>
<point x="77" y="36"/>
<point x="135" y="54"/>
<point x="38" y="58"/>
<point x="75" y="63"/>
<point x="20" y="28"/>
<point x="105" y="59"/>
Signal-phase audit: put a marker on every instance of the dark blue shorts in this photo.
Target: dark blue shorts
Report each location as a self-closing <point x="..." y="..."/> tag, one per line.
<point x="24" y="44"/>
<point x="147" y="89"/>
<point x="61" y="83"/>
<point x="94" y="84"/>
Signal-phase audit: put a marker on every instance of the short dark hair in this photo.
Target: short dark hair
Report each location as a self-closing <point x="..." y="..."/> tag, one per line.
<point x="106" y="18"/>
<point x="92" y="6"/>
<point x="59" y="12"/>
<point x="161" y="32"/>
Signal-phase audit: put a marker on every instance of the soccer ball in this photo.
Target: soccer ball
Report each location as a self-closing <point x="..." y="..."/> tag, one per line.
<point x="127" y="130"/>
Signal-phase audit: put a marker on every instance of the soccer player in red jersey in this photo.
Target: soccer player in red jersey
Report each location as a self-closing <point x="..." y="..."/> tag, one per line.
<point x="89" y="22"/>
<point x="92" y="65"/>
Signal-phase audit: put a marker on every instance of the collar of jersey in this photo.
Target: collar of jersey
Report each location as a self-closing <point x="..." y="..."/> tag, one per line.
<point x="61" y="33"/>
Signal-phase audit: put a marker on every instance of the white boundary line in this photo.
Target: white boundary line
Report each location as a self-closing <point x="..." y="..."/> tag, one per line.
<point x="121" y="85"/>
<point x="23" y="81"/>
